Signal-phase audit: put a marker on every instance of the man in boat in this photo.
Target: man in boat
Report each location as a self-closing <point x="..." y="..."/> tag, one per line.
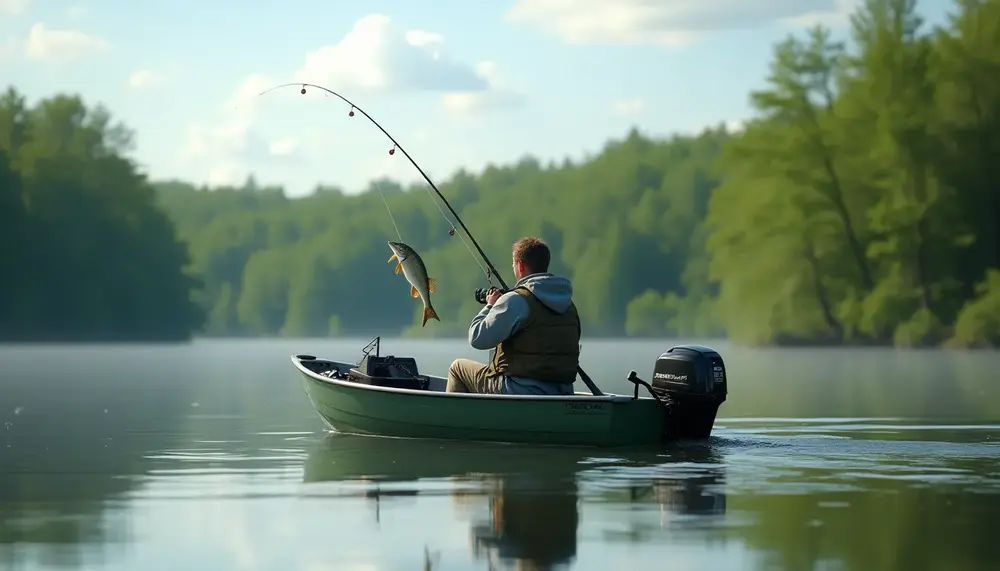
<point x="534" y="327"/>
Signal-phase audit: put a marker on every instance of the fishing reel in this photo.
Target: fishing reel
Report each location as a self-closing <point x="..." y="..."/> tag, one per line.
<point x="482" y="292"/>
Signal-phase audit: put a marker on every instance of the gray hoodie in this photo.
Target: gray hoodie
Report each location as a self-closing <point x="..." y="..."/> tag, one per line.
<point x="494" y="324"/>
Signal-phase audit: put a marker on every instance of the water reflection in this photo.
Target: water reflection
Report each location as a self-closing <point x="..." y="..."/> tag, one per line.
<point x="532" y="495"/>
<point x="70" y="446"/>
<point x="862" y="382"/>
<point x="154" y="459"/>
<point x="532" y="522"/>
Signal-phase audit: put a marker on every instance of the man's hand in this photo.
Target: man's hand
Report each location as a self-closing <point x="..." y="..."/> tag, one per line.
<point x="493" y="295"/>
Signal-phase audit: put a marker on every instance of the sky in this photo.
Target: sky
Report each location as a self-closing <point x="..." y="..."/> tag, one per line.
<point x="457" y="84"/>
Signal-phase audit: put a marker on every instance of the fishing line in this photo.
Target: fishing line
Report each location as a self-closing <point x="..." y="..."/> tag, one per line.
<point x="482" y="255"/>
<point x="395" y="145"/>
<point x="451" y="231"/>
<point x="489" y="278"/>
<point x="389" y="210"/>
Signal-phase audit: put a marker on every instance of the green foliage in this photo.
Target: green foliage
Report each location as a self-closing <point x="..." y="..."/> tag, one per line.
<point x="864" y="183"/>
<point x="626" y="222"/>
<point x="857" y="206"/>
<point x="978" y="323"/>
<point x="86" y="253"/>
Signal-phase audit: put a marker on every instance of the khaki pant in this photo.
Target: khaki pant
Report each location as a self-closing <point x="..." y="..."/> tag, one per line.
<point x="468" y="376"/>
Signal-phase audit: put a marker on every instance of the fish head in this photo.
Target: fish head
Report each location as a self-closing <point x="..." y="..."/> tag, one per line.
<point x="401" y="250"/>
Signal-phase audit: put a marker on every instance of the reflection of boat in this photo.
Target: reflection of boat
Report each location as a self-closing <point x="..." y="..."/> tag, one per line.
<point x="388" y="396"/>
<point x="533" y="490"/>
<point x="356" y="457"/>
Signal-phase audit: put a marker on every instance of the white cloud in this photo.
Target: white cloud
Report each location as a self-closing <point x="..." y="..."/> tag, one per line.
<point x="232" y="134"/>
<point x="675" y="22"/>
<point x="146" y="79"/>
<point x="377" y="55"/>
<point x="496" y="97"/>
<point x="283" y="147"/>
<point x="14" y="6"/>
<point x="837" y="17"/>
<point x="217" y="141"/>
<point x="246" y="96"/>
<point x="76" y="12"/>
<point x="421" y="38"/>
<point x="229" y="146"/>
<point x="61" y="45"/>
<point x="629" y="107"/>
<point x="374" y="56"/>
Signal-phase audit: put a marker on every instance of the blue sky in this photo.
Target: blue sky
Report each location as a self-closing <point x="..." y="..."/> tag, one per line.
<point x="459" y="84"/>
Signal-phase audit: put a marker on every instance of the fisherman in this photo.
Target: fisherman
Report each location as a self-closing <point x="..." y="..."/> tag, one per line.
<point x="534" y="327"/>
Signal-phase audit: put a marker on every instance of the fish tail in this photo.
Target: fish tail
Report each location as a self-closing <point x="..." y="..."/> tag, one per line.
<point x="428" y="314"/>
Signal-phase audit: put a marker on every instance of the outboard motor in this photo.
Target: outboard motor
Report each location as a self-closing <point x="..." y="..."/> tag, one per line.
<point x="691" y="379"/>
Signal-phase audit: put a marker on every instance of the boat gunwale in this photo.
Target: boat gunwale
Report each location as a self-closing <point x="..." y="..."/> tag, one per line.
<point x="607" y="397"/>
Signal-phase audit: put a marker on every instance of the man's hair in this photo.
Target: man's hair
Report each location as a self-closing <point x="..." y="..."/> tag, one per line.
<point x="533" y="253"/>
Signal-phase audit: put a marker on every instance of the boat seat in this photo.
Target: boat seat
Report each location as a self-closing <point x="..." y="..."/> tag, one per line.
<point x="389" y="371"/>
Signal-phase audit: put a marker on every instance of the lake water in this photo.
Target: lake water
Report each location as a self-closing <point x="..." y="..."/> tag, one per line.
<point x="209" y="457"/>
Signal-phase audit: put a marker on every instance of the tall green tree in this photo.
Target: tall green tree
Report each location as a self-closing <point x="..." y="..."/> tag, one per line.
<point x="848" y="179"/>
<point x="967" y="72"/>
<point x="89" y="255"/>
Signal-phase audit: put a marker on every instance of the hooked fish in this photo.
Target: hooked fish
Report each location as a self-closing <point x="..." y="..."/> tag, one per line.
<point x="413" y="268"/>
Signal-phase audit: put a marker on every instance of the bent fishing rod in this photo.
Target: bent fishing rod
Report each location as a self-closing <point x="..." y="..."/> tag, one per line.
<point x="395" y="145"/>
<point x="392" y="151"/>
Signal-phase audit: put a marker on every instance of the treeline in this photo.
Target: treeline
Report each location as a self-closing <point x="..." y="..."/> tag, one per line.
<point x="623" y="223"/>
<point x="857" y="206"/>
<point x="85" y="253"/>
<point x="861" y="203"/>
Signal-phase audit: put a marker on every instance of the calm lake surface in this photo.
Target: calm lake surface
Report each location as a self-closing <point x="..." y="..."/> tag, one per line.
<point x="209" y="457"/>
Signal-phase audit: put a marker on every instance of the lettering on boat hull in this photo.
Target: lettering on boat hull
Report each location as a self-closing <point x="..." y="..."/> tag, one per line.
<point x="585" y="407"/>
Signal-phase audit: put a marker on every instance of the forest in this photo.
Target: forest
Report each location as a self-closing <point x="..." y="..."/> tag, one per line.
<point x="855" y="207"/>
<point x="86" y="253"/>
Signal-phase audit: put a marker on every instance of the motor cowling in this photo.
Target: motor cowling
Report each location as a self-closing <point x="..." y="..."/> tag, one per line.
<point x="692" y="379"/>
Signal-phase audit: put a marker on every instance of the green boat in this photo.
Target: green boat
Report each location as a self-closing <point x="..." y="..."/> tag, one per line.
<point x="388" y="396"/>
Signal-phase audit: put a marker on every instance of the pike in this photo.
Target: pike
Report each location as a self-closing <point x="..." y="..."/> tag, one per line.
<point x="413" y="268"/>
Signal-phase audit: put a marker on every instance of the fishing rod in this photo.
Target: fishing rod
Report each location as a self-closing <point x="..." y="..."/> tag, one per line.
<point x="392" y="151"/>
<point x="395" y="145"/>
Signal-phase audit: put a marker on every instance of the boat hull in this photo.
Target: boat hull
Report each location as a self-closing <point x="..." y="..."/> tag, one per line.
<point x="609" y="420"/>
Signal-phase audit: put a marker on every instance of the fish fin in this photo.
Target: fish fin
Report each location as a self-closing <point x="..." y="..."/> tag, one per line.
<point x="398" y="268"/>
<point x="431" y="284"/>
<point x="414" y="292"/>
<point x="428" y="314"/>
<point x="391" y="258"/>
